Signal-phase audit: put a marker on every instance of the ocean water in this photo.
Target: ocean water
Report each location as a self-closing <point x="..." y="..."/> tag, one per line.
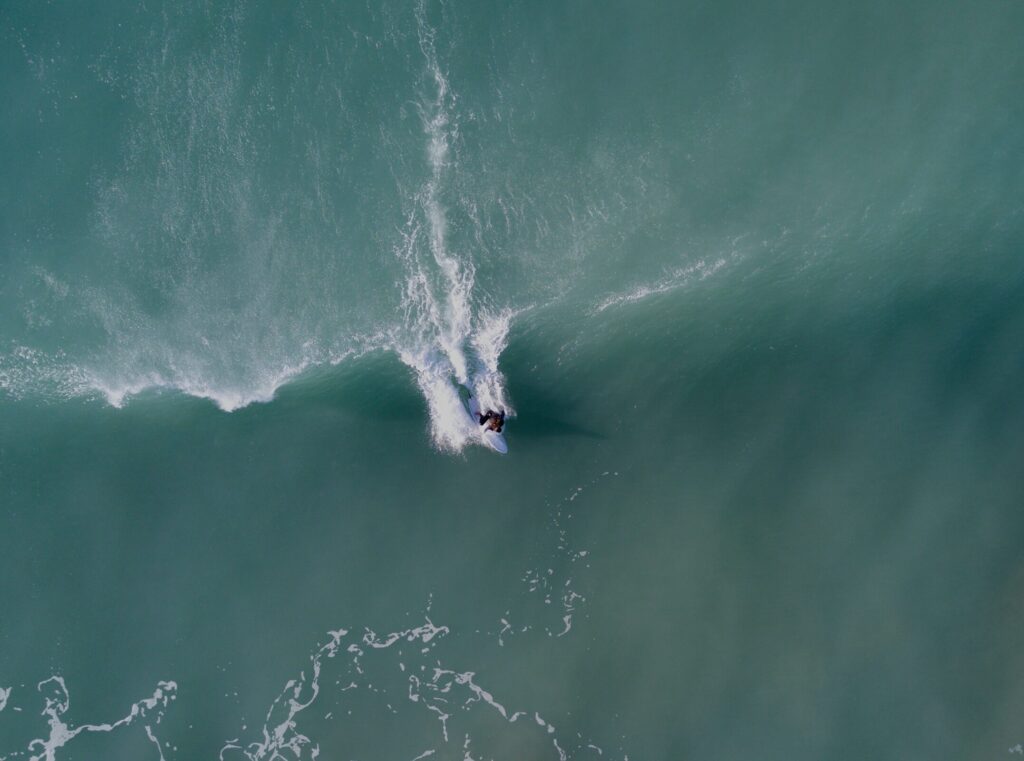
<point x="749" y="279"/>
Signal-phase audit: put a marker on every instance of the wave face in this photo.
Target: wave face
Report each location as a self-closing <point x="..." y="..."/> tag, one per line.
<point x="257" y="208"/>
<point x="210" y="209"/>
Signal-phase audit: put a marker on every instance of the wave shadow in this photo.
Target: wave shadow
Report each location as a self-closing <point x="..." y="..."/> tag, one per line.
<point x="536" y="416"/>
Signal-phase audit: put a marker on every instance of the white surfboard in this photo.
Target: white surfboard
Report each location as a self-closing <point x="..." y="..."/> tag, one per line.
<point x="492" y="439"/>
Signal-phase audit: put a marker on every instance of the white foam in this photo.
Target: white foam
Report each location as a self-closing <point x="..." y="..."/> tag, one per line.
<point x="262" y="389"/>
<point x="25" y="371"/>
<point x="677" y="278"/>
<point x="373" y="662"/>
<point x="424" y="634"/>
<point x="450" y="425"/>
<point x="479" y="693"/>
<point x="441" y="320"/>
<point x="284" y="735"/>
<point x="5" y="695"/>
<point x="280" y="729"/>
<point x="451" y="314"/>
<point x="489" y="341"/>
<point x="57" y="702"/>
<point x="201" y="347"/>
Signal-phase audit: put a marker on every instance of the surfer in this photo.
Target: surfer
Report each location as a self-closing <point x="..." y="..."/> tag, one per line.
<point x="493" y="420"/>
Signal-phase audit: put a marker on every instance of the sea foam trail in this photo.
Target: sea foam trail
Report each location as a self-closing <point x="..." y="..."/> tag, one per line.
<point x="489" y="341"/>
<point x="446" y="340"/>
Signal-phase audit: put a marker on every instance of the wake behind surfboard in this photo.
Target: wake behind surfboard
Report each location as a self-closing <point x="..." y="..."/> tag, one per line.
<point x="491" y="439"/>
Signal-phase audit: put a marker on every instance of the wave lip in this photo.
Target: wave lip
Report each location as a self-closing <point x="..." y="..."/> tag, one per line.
<point x="678" y="278"/>
<point x="27" y="372"/>
<point x="226" y="399"/>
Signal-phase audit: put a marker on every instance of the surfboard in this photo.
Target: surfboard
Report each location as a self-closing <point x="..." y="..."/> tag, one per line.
<point x="490" y="438"/>
<point x="495" y="441"/>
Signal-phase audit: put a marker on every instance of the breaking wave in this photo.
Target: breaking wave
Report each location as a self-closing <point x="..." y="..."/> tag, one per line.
<point x="234" y="315"/>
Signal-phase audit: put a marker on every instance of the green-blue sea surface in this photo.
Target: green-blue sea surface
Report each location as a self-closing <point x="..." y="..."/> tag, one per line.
<point x="748" y="279"/>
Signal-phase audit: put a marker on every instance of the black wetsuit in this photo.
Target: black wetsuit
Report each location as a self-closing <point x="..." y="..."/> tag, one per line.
<point x="490" y="415"/>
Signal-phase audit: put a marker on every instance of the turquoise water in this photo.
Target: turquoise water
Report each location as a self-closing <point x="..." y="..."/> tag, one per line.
<point x="749" y="279"/>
